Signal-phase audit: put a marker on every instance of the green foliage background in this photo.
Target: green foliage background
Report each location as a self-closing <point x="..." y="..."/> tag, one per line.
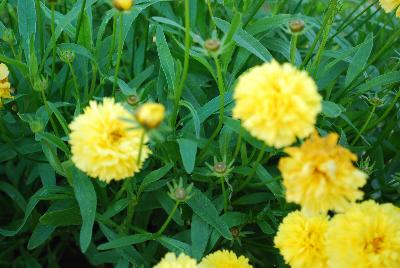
<point x="52" y="214"/>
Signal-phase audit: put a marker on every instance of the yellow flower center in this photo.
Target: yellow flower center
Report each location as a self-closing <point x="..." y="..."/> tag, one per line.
<point x="115" y="135"/>
<point x="375" y="245"/>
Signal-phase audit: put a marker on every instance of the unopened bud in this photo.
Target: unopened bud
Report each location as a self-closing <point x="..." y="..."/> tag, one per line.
<point x="14" y="108"/>
<point x="36" y="126"/>
<point x="220" y="167"/>
<point x="180" y="194"/>
<point x="132" y="100"/>
<point x="235" y="231"/>
<point x="67" y="56"/>
<point x="123" y="5"/>
<point x="212" y="45"/>
<point x="40" y="85"/>
<point x="150" y="115"/>
<point x="8" y="36"/>
<point x="296" y="26"/>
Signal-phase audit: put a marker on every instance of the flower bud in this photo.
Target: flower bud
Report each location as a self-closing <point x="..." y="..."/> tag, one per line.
<point x="36" y="126"/>
<point x="220" y="167"/>
<point x="133" y="99"/>
<point x="67" y="56"/>
<point x="8" y="36"/>
<point x="150" y="115"/>
<point x="180" y="194"/>
<point x="40" y="85"/>
<point x="296" y="26"/>
<point x="235" y="231"/>
<point x="212" y="45"/>
<point x="123" y="5"/>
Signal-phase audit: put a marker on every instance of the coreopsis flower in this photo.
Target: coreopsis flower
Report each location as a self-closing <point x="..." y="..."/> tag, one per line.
<point x="390" y="5"/>
<point x="150" y="115"/>
<point x="367" y="235"/>
<point x="224" y="259"/>
<point x="104" y="144"/>
<point x="123" y="5"/>
<point x="277" y="103"/>
<point x="5" y="86"/>
<point x="320" y="175"/>
<point x="172" y="261"/>
<point x="301" y="241"/>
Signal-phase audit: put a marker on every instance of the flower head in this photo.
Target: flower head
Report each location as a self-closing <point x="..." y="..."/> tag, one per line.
<point x="277" y="103"/>
<point x="172" y="261"/>
<point x="224" y="259"/>
<point x="5" y="86"/>
<point x="150" y="115"/>
<point x="301" y="242"/>
<point x="123" y="5"/>
<point x="320" y="175"/>
<point x="104" y="144"/>
<point x="390" y="5"/>
<point x="365" y="236"/>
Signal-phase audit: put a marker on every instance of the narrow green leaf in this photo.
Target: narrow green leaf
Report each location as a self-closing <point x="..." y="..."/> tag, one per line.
<point x="205" y="209"/>
<point x="188" y="150"/>
<point x="165" y="56"/>
<point x="331" y="109"/>
<point x="199" y="233"/>
<point x="62" y="217"/>
<point x="125" y="241"/>
<point x="39" y="235"/>
<point x="155" y="175"/>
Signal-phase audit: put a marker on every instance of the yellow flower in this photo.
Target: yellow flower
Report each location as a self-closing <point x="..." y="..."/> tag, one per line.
<point x="171" y="261"/>
<point x="5" y="86"/>
<point x="150" y="115"/>
<point x="301" y="242"/>
<point x="224" y="259"/>
<point x="365" y="236"/>
<point x="277" y="103"/>
<point x="320" y="175"/>
<point x="123" y="5"/>
<point x="390" y="5"/>
<point x="104" y="145"/>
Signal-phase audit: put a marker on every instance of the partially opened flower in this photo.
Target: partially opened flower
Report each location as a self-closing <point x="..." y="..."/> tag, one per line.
<point x="320" y="175"/>
<point x="224" y="259"/>
<point x="172" y="261"/>
<point x="365" y="236"/>
<point x="5" y="86"/>
<point x="105" y="144"/>
<point x="277" y="103"/>
<point x="150" y="115"/>
<point x="123" y="5"/>
<point x="390" y="5"/>
<point x="301" y="241"/>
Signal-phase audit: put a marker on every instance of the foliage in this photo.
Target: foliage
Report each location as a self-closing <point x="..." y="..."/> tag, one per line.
<point x="53" y="214"/>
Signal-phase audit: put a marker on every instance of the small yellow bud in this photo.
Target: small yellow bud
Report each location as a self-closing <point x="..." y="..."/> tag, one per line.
<point x="123" y="5"/>
<point x="150" y="115"/>
<point x="296" y="26"/>
<point x="212" y="45"/>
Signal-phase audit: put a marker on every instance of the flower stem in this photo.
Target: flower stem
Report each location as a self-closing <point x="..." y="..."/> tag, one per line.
<point x="364" y="126"/>
<point x="178" y="93"/>
<point x="293" y="46"/>
<point x="111" y="52"/>
<point x="119" y="52"/>
<point x="75" y="81"/>
<point x="221" y="89"/>
<point x="47" y="108"/>
<point x="224" y="194"/>
<point x="167" y="221"/>
<point x="141" y="146"/>
<point x="40" y="27"/>
<point x="254" y="169"/>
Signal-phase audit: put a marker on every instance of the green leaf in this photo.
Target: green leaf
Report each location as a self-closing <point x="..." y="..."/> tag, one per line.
<point x="125" y="241"/>
<point x="39" y="235"/>
<point x="155" y="175"/>
<point x="188" y="150"/>
<point x="62" y="217"/>
<point x="47" y="174"/>
<point x="26" y="21"/>
<point x="265" y="227"/>
<point x="54" y="140"/>
<point x="269" y="181"/>
<point x="379" y="81"/>
<point x="174" y="245"/>
<point x="205" y="209"/>
<point x="166" y="60"/>
<point x="87" y="200"/>
<point x="331" y="109"/>
<point x="360" y="59"/>
<point x="199" y="232"/>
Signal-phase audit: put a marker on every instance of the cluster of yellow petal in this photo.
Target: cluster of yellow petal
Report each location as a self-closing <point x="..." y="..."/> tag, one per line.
<point x="277" y="103"/>
<point x="366" y="236"/>
<point x="104" y="144"/>
<point x="172" y="261"/>
<point x="320" y="175"/>
<point x="224" y="259"/>
<point x="390" y="5"/>
<point x="301" y="242"/>
<point x="5" y="85"/>
<point x="150" y="115"/>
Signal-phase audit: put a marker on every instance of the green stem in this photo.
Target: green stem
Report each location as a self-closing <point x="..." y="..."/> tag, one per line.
<point x="78" y="29"/>
<point x="364" y="126"/>
<point x="141" y="146"/>
<point x="388" y="110"/>
<point x="167" y="221"/>
<point x="40" y="27"/>
<point x="293" y="45"/>
<point x="119" y="52"/>
<point x="94" y="80"/>
<point x="53" y="66"/>
<point x="254" y="169"/>
<point x="238" y="144"/>
<point x="131" y="205"/>
<point x="221" y="89"/>
<point x="178" y="93"/>
<point x="211" y="13"/>
<point x="224" y="194"/>
<point x="47" y="108"/>
<point x="75" y="81"/>
<point x="111" y="52"/>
